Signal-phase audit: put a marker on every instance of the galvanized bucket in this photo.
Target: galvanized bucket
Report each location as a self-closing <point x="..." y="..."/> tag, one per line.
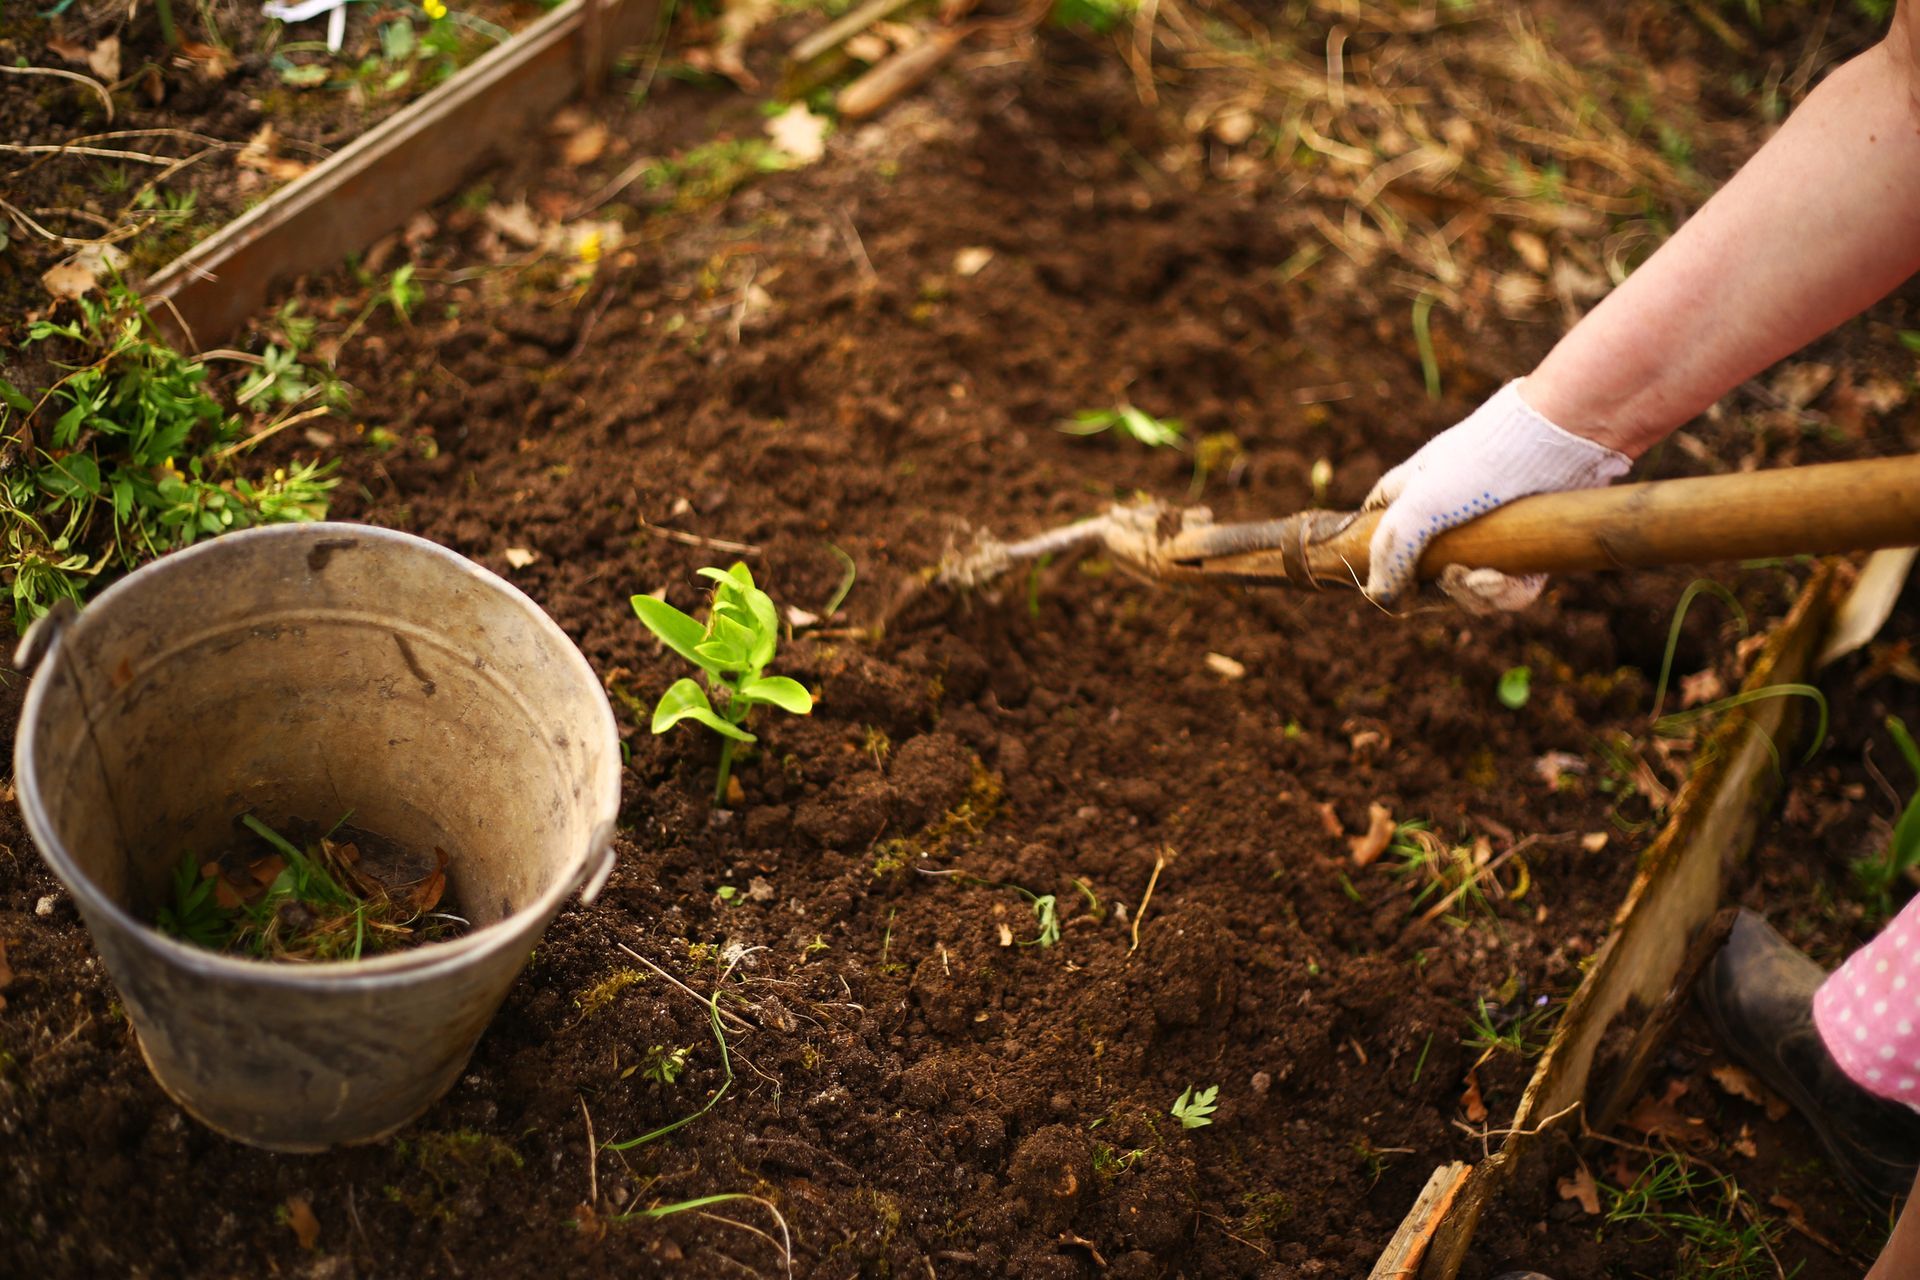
<point x="300" y="672"/>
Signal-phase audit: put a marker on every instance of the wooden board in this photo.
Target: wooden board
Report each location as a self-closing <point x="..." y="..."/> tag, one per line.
<point x="1640" y="973"/>
<point x="403" y="164"/>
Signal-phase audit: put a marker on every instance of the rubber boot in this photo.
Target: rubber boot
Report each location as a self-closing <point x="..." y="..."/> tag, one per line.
<point x="1757" y="994"/>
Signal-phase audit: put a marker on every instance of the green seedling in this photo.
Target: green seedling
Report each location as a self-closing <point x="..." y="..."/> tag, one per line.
<point x="1515" y="687"/>
<point x="1155" y="433"/>
<point x="1423" y="340"/>
<point x="1878" y="876"/>
<point x="663" y="1066"/>
<point x="733" y="649"/>
<point x="1194" y="1107"/>
<point x="1045" y="912"/>
<point x="1524" y="1036"/>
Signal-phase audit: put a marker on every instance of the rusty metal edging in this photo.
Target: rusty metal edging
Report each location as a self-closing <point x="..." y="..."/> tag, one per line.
<point x="1674" y="897"/>
<point x="400" y="166"/>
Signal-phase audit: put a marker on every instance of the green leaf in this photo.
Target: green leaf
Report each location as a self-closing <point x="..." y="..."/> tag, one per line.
<point x="766" y="627"/>
<point x="685" y="700"/>
<point x="675" y="629"/>
<point x="74" y="476"/>
<point x="1515" y="687"/>
<point x="11" y="396"/>
<point x="779" y="691"/>
<point x="305" y="77"/>
<point x="1910" y="339"/>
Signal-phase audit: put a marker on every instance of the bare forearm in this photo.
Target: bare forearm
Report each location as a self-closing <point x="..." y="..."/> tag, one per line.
<point x="1820" y="224"/>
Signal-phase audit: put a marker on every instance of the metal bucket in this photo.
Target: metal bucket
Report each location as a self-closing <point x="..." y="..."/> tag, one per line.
<point x="301" y="672"/>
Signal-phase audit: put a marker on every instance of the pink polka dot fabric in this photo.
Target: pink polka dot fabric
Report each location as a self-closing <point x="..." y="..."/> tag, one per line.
<point x="1868" y="1011"/>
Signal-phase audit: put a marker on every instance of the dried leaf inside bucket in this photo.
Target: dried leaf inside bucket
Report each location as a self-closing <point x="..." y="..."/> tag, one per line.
<point x="329" y="901"/>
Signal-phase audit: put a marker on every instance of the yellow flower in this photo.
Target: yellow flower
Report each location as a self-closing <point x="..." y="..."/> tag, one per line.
<point x="589" y="248"/>
<point x="434" y="8"/>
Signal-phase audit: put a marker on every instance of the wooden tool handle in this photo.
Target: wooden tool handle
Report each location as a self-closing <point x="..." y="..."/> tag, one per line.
<point x="1811" y="510"/>
<point x="1840" y="506"/>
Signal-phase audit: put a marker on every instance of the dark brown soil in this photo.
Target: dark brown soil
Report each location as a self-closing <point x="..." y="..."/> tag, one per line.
<point x="915" y="1094"/>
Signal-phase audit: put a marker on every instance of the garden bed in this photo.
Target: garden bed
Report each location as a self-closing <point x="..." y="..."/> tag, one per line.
<point x="867" y="358"/>
<point x="168" y="142"/>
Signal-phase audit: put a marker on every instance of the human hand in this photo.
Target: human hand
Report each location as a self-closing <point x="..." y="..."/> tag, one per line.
<point x="1502" y="451"/>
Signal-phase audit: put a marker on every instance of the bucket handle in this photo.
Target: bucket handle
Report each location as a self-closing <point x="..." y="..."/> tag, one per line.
<point x="600" y="860"/>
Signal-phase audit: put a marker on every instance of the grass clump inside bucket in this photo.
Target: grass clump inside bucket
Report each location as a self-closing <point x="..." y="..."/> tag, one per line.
<point x="274" y="900"/>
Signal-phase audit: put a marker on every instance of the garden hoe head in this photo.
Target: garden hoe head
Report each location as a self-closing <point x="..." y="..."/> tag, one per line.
<point x="1815" y="510"/>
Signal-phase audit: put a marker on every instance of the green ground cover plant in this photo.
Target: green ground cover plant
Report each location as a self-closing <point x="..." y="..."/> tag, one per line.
<point x="129" y="454"/>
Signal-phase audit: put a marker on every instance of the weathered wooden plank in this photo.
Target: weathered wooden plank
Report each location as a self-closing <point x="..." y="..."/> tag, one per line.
<point x="406" y="162"/>
<point x="1656" y="939"/>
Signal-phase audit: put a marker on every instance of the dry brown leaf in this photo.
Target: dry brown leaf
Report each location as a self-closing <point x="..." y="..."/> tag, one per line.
<point x="1581" y="1187"/>
<point x="1744" y="1144"/>
<point x="1379" y="835"/>
<point x="259" y="156"/>
<point x="1471" y="1102"/>
<point x="1701" y="687"/>
<point x="104" y="59"/>
<point x="1594" y="841"/>
<point x="1533" y="251"/>
<point x="520" y="557"/>
<point x="266" y="870"/>
<point x="1329" y="820"/>
<point x="1800" y="384"/>
<point x="799" y="133"/>
<point x="211" y="61"/>
<point x="1741" y="1083"/>
<point x="516" y="222"/>
<point x="972" y="261"/>
<point x="6" y="969"/>
<point x="426" y="895"/>
<point x="1226" y="668"/>
<point x="1006" y="935"/>
<point x="69" y="280"/>
<point x="585" y="146"/>
<point x="298" y="1214"/>
<point x="70" y="50"/>
<point x="1555" y="765"/>
<point x="1660" y="1118"/>
<point x="1795" y="1214"/>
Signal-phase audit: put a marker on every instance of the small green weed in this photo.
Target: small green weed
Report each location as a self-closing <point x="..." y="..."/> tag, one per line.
<point x="733" y="649"/>
<point x="1515" y="687"/>
<point x="1877" y="877"/>
<point x="1716" y="1230"/>
<point x="663" y="1066"/>
<point x="1524" y="1035"/>
<point x="1194" y="1107"/>
<point x="1135" y="424"/>
<point x="136" y="461"/>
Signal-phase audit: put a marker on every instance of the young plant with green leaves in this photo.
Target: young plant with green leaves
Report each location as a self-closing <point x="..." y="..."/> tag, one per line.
<point x="732" y="649"/>
<point x="1195" y="1106"/>
<point x="127" y="455"/>
<point x="1136" y="424"/>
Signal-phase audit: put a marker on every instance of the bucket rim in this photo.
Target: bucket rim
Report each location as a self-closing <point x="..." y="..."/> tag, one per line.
<point x="509" y="930"/>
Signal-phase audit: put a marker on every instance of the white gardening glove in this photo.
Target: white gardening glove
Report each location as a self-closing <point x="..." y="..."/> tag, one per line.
<point x="1502" y="451"/>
